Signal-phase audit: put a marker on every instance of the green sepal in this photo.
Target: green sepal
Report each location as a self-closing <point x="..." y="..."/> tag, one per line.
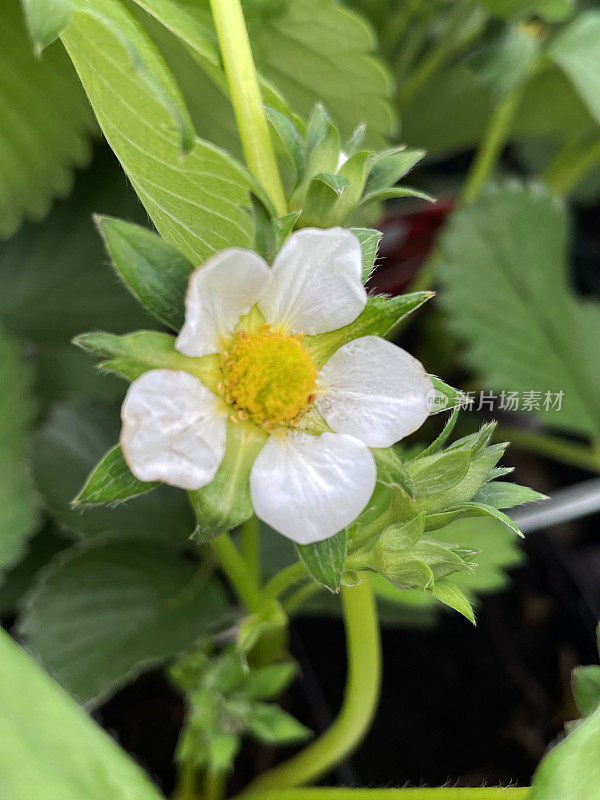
<point x="316" y="128"/>
<point x="379" y="315"/>
<point x="46" y="20"/>
<point x="272" y="725"/>
<point x="439" y="472"/>
<point x="154" y="271"/>
<point x="135" y="353"/>
<point x="586" y="688"/>
<point x="395" y="191"/>
<point x="111" y="481"/>
<point x="440" y="441"/>
<point x="319" y="205"/>
<point x="226" y="502"/>
<point x="403" y="535"/>
<point x="391" y="471"/>
<point x="325" y="560"/>
<point x="448" y="593"/>
<point x="447" y="397"/>
<point x="266" y="683"/>
<point x="469" y="509"/>
<point x="354" y="170"/>
<point x="388" y="166"/>
<point x="222" y="748"/>
<point x="369" y="239"/>
<point x="506" y="495"/>
<point x="290" y="140"/>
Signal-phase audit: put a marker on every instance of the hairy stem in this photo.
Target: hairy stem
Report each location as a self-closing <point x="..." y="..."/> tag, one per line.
<point x="244" y="91"/>
<point x="360" y="697"/>
<point x="485" y="793"/>
<point x="235" y="568"/>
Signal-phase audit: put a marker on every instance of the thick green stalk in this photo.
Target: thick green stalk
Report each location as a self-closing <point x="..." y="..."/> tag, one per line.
<point x="360" y="698"/>
<point x="237" y="571"/>
<point x="186" y="782"/>
<point x="571" y="165"/>
<point x="485" y="793"/>
<point x="244" y="91"/>
<point x="215" y="784"/>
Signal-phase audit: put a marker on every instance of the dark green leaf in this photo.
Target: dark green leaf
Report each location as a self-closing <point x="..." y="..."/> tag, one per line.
<point x="105" y="611"/>
<point x="18" y="501"/>
<point x="67" y="448"/>
<point x="155" y="272"/>
<point x="524" y="330"/>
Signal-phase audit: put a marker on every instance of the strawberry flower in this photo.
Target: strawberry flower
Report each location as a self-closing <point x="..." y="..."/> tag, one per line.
<point x="315" y="472"/>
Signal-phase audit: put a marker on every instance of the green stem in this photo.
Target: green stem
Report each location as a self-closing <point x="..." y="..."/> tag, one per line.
<point x="283" y="580"/>
<point x="395" y="27"/>
<point x="438" y="54"/>
<point x="250" y="546"/>
<point x="412" y="46"/>
<point x="236" y="570"/>
<point x="360" y="697"/>
<point x="485" y="793"/>
<point x="571" y="453"/>
<point x="570" y="165"/>
<point x="246" y="99"/>
<point x="186" y="782"/>
<point x="491" y="146"/>
<point x="297" y="599"/>
<point x="214" y="786"/>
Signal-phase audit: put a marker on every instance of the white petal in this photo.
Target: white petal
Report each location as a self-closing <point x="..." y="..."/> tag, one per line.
<point x="315" y="284"/>
<point x="374" y="390"/>
<point x="219" y="293"/>
<point x="173" y="430"/>
<point x="310" y="487"/>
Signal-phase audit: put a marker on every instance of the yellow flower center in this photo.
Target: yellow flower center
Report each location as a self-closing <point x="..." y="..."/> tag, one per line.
<point x="268" y="377"/>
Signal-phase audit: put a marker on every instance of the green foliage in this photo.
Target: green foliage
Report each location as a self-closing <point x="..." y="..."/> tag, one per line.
<point x="110" y="481"/>
<point x="225" y="701"/>
<point x="193" y="192"/>
<point x="552" y="10"/>
<point x="524" y="329"/>
<point x="153" y="270"/>
<point x="44" y="126"/>
<point x="586" y="688"/>
<point x="570" y="769"/>
<point x="18" y="502"/>
<point x="326" y="560"/>
<point x="65" y="450"/>
<point x="53" y="281"/>
<point x="305" y="51"/>
<point x="575" y="49"/>
<point x="61" y="752"/>
<point x="333" y="181"/>
<point x="104" y="611"/>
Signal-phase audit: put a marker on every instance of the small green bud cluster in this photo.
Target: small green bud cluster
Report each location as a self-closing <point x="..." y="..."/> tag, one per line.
<point x="400" y="533"/>
<point x="225" y="701"/>
<point x="328" y="180"/>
